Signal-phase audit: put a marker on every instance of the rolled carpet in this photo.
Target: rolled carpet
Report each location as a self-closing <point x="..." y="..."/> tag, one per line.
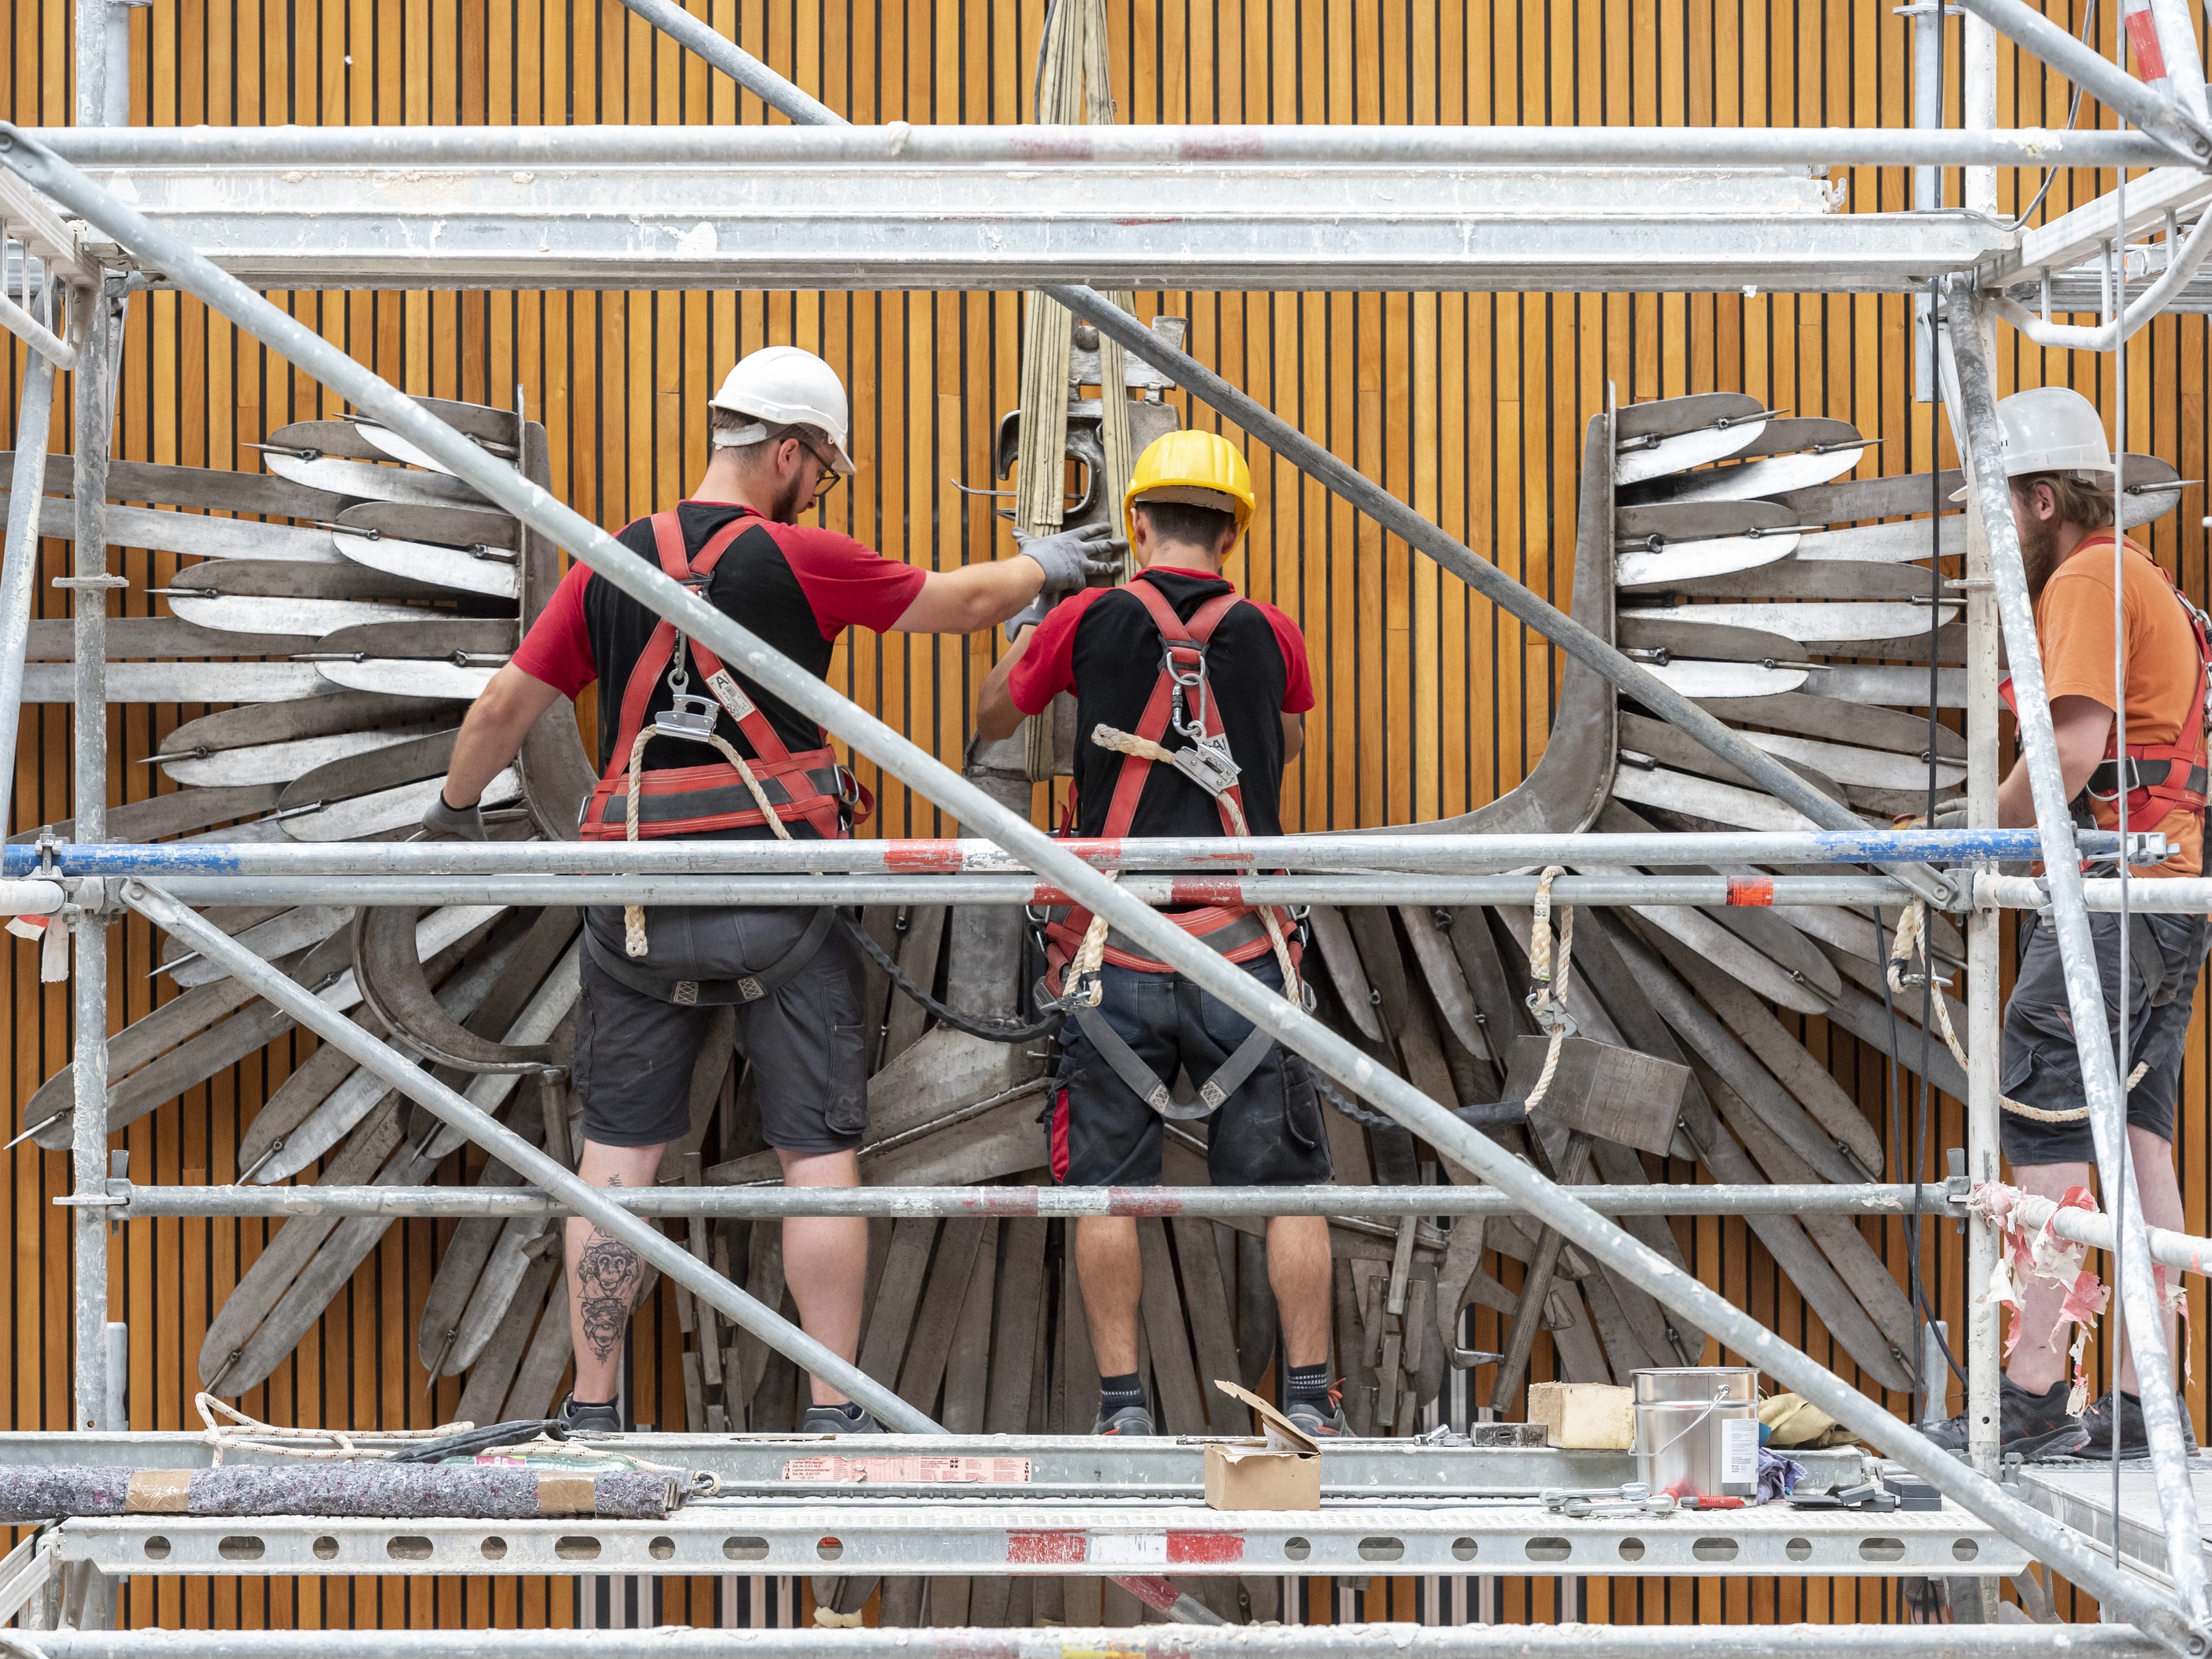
<point x="462" y="1491"/>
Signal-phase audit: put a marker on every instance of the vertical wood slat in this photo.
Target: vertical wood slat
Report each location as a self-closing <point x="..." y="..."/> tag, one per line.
<point x="1470" y="405"/>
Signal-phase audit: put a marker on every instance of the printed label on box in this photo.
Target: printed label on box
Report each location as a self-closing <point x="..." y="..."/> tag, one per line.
<point x="1740" y="1452"/>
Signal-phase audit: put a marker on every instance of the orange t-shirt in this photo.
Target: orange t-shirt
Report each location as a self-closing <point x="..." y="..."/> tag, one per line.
<point x="2073" y="626"/>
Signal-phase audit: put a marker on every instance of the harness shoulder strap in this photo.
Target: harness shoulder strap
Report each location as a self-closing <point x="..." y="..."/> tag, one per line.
<point x="660" y="647"/>
<point x="805" y="798"/>
<point x="1176" y="636"/>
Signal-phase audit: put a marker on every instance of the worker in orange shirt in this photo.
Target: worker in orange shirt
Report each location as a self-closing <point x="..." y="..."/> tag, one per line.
<point x="2060" y="469"/>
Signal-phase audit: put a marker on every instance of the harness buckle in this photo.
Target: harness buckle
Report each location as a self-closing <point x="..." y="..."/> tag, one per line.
<point x="1206" y="763"/>
<point x="1551" y="1016"/>
<point x="692" y="718"/>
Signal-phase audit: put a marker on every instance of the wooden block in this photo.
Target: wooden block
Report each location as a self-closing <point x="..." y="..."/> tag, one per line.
<point x="1585" y="1415"/>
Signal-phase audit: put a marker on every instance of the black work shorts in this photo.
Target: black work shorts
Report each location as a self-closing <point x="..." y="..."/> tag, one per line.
<point x="805" y="1041"/>
<point x="1268" y="1134"/>
<point x="2042" y="1067"/>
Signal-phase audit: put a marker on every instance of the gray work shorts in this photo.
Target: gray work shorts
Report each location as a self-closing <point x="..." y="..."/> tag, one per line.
<point x="2042" y="1067"/>
<point x="805" y="1041"/>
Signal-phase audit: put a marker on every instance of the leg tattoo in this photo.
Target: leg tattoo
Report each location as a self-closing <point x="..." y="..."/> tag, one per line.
<point x="607" y="1277"/>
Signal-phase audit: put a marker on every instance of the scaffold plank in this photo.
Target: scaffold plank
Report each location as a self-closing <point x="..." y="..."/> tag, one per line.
<point x="972" y="1536"/>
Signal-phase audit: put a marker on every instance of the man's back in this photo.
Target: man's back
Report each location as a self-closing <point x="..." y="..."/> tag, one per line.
<point x="1102" y="645"/>
<point x="796" y="586"/>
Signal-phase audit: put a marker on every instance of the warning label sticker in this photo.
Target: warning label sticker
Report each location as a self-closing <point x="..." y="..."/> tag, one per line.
<point x="853" y="1471"/>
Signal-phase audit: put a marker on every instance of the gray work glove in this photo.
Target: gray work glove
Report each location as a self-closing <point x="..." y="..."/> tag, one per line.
<point x="444" y="823"/>
<point x="1951" y="817"/>
<point x="1028" y="616"/>
<point x="1074" y="558"/>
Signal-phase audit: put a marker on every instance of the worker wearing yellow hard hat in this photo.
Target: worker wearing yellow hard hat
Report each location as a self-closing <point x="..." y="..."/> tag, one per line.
<point x="1196" y="468"/>
<point x="1190" y="700"/>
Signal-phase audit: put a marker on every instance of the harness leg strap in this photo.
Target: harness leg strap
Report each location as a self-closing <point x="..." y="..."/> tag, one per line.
<point x="1129" y="1066"/>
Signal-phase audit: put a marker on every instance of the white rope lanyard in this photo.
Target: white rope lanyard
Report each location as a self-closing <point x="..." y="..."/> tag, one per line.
<point x="1548" y="1000"/>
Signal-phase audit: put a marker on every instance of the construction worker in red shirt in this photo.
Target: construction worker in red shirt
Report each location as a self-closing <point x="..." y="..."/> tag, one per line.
<point x="2060" y="467"/>
<point x="734" y="762"/>
<point x="1190" y="700"/>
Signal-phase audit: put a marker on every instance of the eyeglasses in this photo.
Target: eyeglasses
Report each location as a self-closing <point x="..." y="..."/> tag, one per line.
<point x="827" y="480"/>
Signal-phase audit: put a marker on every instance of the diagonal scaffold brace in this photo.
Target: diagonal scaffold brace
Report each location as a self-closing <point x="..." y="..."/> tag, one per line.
<point x="2126" y="1594"/>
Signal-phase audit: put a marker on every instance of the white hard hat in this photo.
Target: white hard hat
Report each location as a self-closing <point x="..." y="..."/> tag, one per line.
<point x="785" y="386"/>
<point x="2052" y="429"/>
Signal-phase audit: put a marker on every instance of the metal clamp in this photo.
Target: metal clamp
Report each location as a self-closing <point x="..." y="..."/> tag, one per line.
<point x="692" y="718"/>
<point x="1206" y="763"/>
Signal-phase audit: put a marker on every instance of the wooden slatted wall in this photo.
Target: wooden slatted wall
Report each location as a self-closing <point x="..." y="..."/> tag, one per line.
<point x="1469" y="406"/>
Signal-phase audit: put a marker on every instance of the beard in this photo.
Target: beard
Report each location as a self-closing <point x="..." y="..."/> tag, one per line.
<point x="2039" y="551"/>
<point x="788" y="503"/>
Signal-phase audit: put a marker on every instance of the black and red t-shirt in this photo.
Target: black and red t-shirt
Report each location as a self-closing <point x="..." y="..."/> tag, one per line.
<point x="795" y="586"/>
<point x="1101" y="645"/>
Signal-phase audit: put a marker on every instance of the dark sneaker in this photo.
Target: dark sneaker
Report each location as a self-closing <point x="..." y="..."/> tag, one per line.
<point x="587" y="1417"/>
<point x="835" y="1419"/>
<point x="1320" y="1419"/>
<point x="2098" y="1421"/>
<point x="1133" y="1420"/>
<point x="2032" y="1425"/>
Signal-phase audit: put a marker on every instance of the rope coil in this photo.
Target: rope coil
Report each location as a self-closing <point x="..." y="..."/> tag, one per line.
<point x="236" y="1431"/>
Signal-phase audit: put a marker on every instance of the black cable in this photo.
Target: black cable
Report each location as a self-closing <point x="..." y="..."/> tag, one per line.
<point x="2073" y="110"/>
<point x="990" y="1029"/>
<point x="467" y="1443"/>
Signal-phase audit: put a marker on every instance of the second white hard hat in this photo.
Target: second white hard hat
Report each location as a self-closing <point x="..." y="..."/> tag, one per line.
<point x="787" y="386"/>
<point x="2052" y="429"/>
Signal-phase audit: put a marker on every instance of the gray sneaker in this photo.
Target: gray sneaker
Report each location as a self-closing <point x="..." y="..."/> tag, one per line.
<point x="1131" y="1421"/>
<point x="1320" y="1420"/>
<point x="835" y="1419"/>
<point x="590" y="1417"/>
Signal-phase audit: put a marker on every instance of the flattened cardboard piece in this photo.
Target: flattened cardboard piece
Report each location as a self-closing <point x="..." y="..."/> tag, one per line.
<point x="1282" y="1472"/>
<point x="1282" y="1434"/>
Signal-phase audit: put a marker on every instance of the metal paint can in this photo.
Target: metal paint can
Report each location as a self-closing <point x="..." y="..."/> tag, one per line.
<point x="1697" y="1430"/>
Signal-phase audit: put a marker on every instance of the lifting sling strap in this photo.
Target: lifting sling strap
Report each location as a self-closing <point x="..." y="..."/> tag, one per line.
<point x="1080" y="942"/>
<point x="2160" y="778"/>
<point x="774" y="787"/>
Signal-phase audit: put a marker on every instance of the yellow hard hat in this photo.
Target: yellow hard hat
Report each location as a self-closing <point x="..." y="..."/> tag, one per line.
<point x="1202" y="469"/>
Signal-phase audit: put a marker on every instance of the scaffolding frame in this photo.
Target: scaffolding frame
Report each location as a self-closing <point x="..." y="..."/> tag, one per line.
<point x="83" y="884"/>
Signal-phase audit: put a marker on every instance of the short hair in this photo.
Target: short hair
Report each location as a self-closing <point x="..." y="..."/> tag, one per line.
<point x="1188" y="525"/>
<point x="719" y="419"/>
<point x="2084" y="501"/>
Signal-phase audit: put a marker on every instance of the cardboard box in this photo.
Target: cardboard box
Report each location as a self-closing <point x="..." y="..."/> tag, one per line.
<point x="1280" y="1472"/>
<point x="1593" y="1416"/>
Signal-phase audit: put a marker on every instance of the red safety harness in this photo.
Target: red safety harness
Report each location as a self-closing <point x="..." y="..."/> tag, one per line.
<point x="810" y="786"/>
<point x="2160" y="778"/>
<point x="1181" y="696"/>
